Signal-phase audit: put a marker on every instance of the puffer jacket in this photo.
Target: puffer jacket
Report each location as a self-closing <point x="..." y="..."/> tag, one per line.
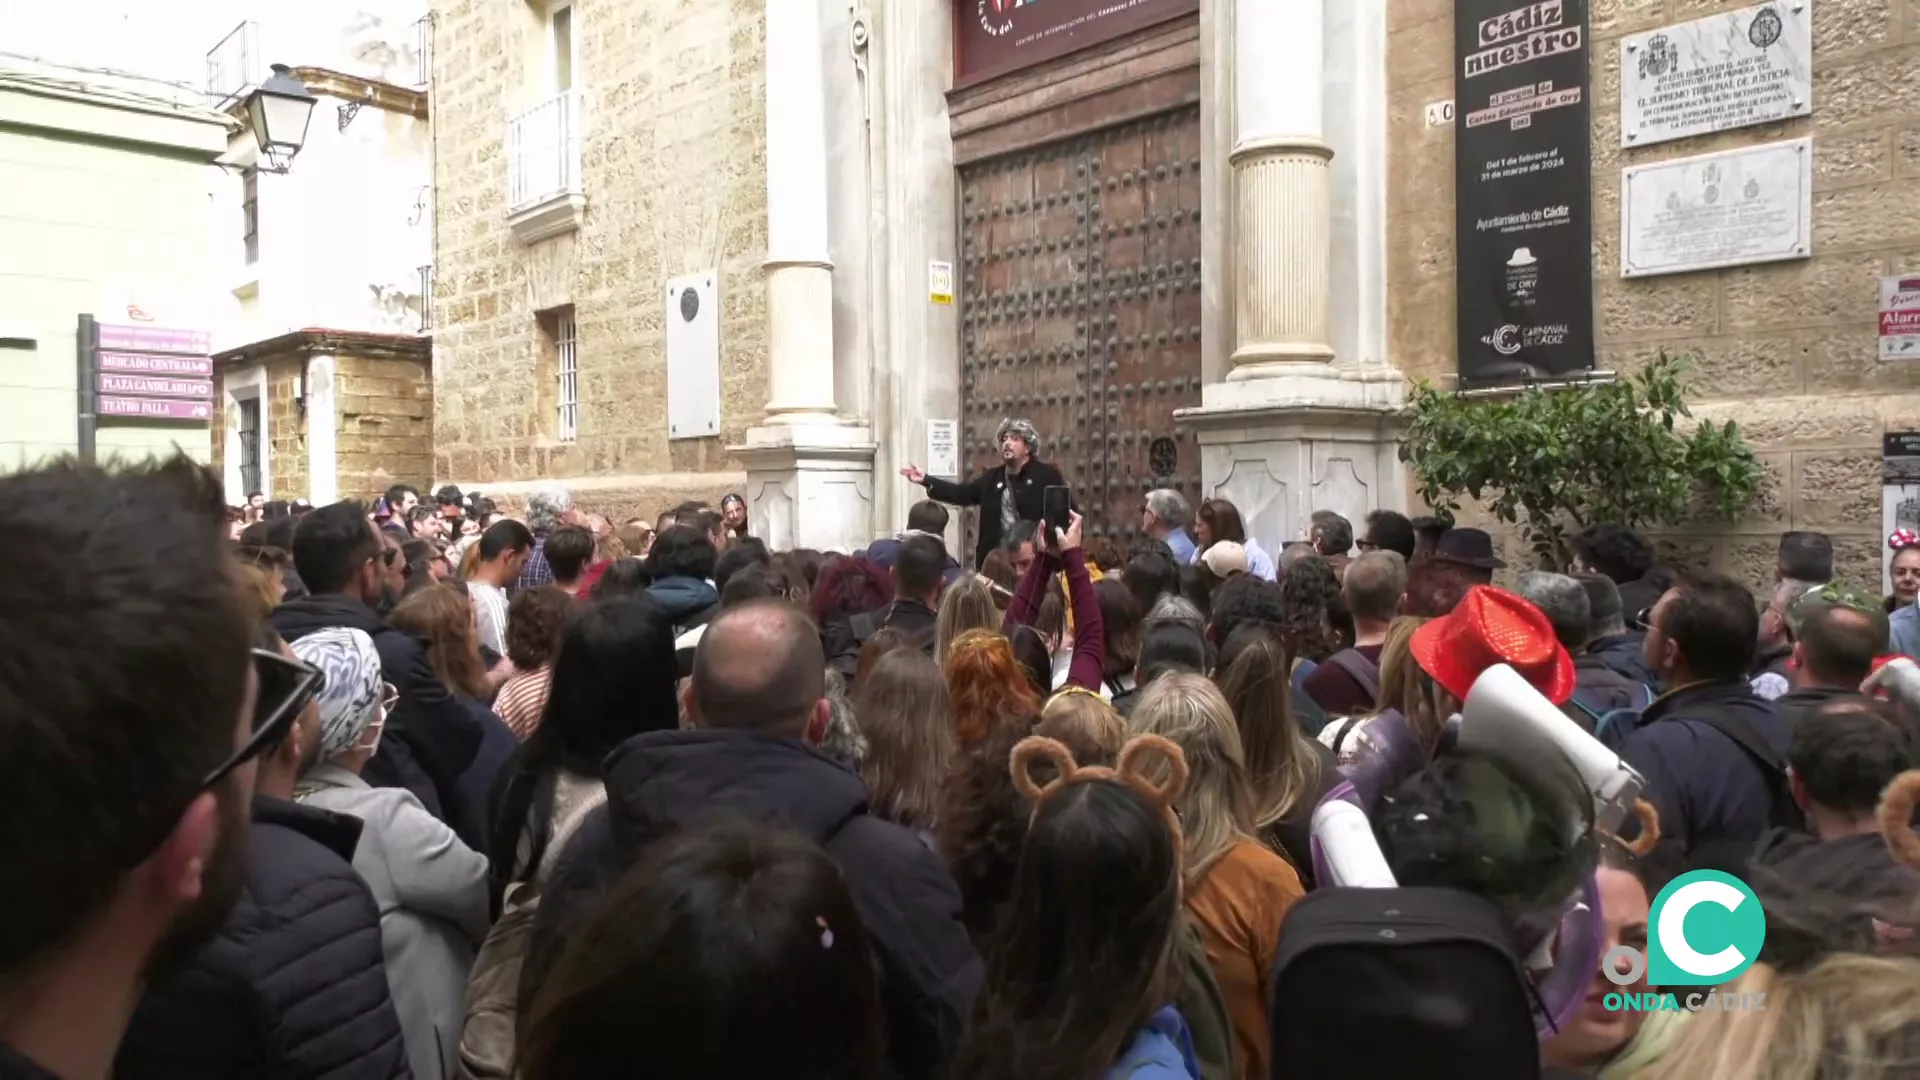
<point x="294" y="987"/>
<point x="663" y="780"/>
<point x="431" y="739"/>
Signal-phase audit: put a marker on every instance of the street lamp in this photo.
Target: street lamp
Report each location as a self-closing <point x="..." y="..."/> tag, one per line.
<point x="279" y="110"/>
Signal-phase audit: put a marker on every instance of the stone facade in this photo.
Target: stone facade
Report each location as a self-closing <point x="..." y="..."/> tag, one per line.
<point x="1786" y="349"/>
<point x="366" y="399"/>
<point x="672" y="168"/>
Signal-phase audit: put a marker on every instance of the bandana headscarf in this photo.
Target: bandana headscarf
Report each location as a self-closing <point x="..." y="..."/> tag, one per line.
<point x="350" y="691"/>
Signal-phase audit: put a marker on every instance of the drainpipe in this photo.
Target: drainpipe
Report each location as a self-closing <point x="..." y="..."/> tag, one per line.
<point x="87" y="361"/>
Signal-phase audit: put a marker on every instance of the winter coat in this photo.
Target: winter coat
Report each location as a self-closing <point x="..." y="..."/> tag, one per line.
<point x="1904" y="629"/>
<point x="1707" y="789"/>
<point x="432" y="892"/>
<point x="663" y="780"/>
<point x="1624" y="653"/>
<point x="431" y="738"/>
<point x="985" y="490"/>
<point x="686" y="602"/>
<point x="910" y="617"/>
<point x="1822" y="896"/>
<point x="295" y="984"/>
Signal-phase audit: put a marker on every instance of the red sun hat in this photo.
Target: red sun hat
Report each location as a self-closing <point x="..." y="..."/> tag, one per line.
<point x="1493" y="626"/>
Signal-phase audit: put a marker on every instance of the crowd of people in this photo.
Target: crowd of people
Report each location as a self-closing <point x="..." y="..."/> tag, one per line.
<point x="433" y="789"/>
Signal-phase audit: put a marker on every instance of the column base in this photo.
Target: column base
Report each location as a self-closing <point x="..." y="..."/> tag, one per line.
<point x="1280" y="459"/>
<point x="810" y="485"/>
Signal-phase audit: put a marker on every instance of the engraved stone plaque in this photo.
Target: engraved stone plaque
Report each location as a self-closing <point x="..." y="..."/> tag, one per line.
<point x="1725" y="71"/>
<point x="1752" y="205"/>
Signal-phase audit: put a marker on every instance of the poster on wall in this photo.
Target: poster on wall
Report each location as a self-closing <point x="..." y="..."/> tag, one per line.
<point x="1899" y="492"/>
<point x="993" y="37"/>
<point x="1900" y="318"/>
<point x="1523" y="216"/>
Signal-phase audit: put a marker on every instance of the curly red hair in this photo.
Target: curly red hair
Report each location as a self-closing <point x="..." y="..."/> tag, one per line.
<point x="989" y="687"/>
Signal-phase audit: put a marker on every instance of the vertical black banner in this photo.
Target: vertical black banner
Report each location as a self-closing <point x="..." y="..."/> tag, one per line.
<point x="1523" y="217"/>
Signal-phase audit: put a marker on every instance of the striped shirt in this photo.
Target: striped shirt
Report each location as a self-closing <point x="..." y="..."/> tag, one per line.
<point x="490" y="613"/>
<point x="523" y="699"/>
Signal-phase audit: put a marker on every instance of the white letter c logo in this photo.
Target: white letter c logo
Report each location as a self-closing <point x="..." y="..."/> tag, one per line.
<point x="1673" y="921"/>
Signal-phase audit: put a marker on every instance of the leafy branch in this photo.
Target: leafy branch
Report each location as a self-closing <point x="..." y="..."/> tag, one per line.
<point x="1596" y="452"/>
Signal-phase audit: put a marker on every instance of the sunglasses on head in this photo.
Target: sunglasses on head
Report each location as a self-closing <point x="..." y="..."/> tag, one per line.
<point x="286" y="686"/>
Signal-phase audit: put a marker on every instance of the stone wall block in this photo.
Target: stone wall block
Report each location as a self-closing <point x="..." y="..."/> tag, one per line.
<point x="1838" y="490"/>
<point x="1823" y="290"/>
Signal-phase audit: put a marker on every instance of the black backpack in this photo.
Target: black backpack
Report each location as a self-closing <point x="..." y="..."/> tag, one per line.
<point x="1400" y="982"/>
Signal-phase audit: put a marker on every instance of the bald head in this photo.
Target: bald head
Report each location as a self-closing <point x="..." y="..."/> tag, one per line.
<point x="760" y="667"/>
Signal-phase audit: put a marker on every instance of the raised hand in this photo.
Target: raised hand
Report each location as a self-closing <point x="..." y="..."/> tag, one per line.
<point x="914" y="474"/>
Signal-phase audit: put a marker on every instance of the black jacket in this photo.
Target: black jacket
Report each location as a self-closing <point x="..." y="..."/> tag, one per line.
<point x="1821" y="896"/>
<point x="295" y="984"/>
<point x="663" y="780"/>
<point x="1708" y="790"/>
<point x="432" y="737"/>
<point x="842" y="643"/>
<point x="984" y="491"/>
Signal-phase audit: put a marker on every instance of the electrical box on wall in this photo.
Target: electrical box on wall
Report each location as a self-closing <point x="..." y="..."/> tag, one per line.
<point x="693" y="356"/>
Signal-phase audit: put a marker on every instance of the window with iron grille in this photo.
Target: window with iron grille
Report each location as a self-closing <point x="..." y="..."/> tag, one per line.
<point x="249" y="432"/>
<point x="250" y="213"/>
<point x="567" y="374"/>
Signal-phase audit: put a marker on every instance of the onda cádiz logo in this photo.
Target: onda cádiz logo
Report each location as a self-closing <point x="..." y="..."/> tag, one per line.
<point x="996" y="16"/>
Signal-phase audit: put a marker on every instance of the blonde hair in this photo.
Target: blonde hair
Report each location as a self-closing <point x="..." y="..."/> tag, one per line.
<point x="966" y="605"/>
<point x="1282" y="766"/>
<point x="1216" y="810"/>
<point x="1851" y="1017"/>
<point x="1080" y="712"/>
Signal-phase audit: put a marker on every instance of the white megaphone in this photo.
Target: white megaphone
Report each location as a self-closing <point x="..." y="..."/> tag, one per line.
<point x="1504" y="717"/>
<point x="1349" y="853"/>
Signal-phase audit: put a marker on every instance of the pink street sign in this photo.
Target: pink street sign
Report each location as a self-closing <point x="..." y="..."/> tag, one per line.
<point x="150" y="364"/>
<point x="154" y="408"/>
<point x="154" y="339"/>
<point x="148" y="386"/>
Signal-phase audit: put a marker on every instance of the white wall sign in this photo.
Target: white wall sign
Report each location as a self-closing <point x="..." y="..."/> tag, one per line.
<point x="1900" y="318"/>
<point x="1439" y="114"/>
<point x="940" y="282"/>
<point x="1752" y="205"/>
<point x="693" y="356"/>
<point x="943" y="448"/>
<point x="1725" y="71"/>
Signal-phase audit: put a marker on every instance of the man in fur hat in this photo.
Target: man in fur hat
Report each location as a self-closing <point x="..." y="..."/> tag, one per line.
<point x="1008" y="493"/>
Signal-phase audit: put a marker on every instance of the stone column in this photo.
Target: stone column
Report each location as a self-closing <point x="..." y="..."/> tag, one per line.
<point x="809" y="470"/>
<point x="1282" y="190"/>
<point x="1285" y="428"/>
<point x="799" y="267"/>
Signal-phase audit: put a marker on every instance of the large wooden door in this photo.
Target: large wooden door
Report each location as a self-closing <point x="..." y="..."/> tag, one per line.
<point x="1081" y="310"/>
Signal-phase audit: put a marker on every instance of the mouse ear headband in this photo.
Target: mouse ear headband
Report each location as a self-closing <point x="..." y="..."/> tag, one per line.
<point x="1127" y="770"/>
<point x="1649" y="818"/>
<point x="1896" y="817"/>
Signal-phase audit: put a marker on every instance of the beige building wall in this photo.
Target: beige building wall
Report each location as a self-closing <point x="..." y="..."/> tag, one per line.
<point x="673" y="175"/>
<point x="107" y="205"/>
<point x="1788" y="349"/>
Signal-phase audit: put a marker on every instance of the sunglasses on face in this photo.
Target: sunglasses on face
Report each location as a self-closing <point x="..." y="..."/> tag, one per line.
<point x="286" y="687"/>
<point x="1643" y="619"/>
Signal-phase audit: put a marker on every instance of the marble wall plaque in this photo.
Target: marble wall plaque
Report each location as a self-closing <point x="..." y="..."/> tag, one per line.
<point x="1725" y="71"/>
<point x="1751" y="205"/>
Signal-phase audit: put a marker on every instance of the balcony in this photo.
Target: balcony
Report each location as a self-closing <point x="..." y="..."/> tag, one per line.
<point x="234" y="66"/>
<point x="544" y="196"/>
